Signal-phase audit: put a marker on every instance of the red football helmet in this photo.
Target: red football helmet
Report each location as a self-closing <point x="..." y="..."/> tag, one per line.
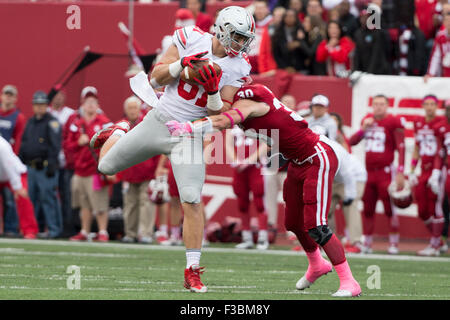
<point x="401" y="198"/>
<point x="159" y="190"/>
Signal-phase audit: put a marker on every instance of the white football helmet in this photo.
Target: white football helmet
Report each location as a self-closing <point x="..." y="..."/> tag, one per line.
<point x="231" y="22"/>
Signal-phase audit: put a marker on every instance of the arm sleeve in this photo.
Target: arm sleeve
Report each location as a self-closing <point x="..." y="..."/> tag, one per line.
<point x="399" y="136"/>
<point x="440" y="155"/>
<point x="8" y="165"/>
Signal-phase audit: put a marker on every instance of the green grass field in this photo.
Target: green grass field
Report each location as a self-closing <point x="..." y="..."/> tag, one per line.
<point x="37" y="270"/>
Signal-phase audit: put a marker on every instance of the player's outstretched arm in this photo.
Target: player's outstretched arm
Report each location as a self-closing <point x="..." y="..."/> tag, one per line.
<point x="242" y="110"/>
<point x="170" y="66"/>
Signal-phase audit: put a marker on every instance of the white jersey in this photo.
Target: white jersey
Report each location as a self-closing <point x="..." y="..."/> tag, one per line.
<point x="11" y="167"/>
<point x="184" y="102"/>
<point x="350" y="171"/>
<point x="324" y="125"/>
<point x="62" y="116"/>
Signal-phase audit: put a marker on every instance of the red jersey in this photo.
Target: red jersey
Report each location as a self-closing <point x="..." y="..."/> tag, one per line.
<point x="442" y="131"/>
<point x="296" y="140"/>
<point x="380" y="141"/>
<point x="426" y="140"/>
<point x="85" y="159"/>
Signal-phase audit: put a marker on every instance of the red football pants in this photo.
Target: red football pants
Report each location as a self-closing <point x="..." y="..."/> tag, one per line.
<point x="25" y="210"/>
<point x="307" y="194"/>
<point x="377" y="188"/>
<point x="426" y="199"/>
<point x="249" y="179"/>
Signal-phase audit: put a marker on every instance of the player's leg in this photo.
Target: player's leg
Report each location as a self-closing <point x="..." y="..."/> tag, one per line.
<point x="188" y="168"/>
<point x="370" y="197"/>
<point x="99" y="200"/>
<point x="317" y="198"/>
<point x="130" y="213"/>
<point x="384" y="179"/>
<point x="353" y="221"/>
<point x="25" y="212"/>
<point x="293" y="197"/>
<point x="241" y="188"/>
<point x="256" y="183"/>
<point x="336" y="197"/>
<point x="427" y="204"/>
<point x="149" y="138"/>
<point x="146" y="214"/>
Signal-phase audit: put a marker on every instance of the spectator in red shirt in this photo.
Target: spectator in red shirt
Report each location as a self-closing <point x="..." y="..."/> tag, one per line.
<point x="12" y="121"/>
<point x="89" y="188"/>
<point x="439" y="64"/>
<point x="336" y="51"/>
<point x="12" y="125"/>
<point x="202" y="20"/>
<point x="262" y="19"/>
<point x="139" y="212"/>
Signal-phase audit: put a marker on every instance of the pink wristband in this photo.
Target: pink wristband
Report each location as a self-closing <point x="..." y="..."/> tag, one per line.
<point x="229" y="117"/>
<point x="400" y="169"/>
<point x="414" y="162"/>
<point x="240" y="114"/>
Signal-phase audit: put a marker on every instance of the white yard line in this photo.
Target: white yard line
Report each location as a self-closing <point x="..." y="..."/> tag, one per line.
<point x="181" y="248"/>
<point x="211" y="290"/>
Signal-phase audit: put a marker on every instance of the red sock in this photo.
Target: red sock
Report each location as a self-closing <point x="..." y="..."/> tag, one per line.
<point x="262" y="220"/>
<point x="334" y="250"/>
<point x="245" y="216"/>
<point x="368" y="225"/>
<point x="437" y="225"/>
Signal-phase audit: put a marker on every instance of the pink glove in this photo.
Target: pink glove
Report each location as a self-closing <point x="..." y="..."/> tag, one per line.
<point x="177" y="128"/>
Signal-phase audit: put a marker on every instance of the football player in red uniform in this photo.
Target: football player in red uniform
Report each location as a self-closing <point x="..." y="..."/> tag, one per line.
<point x="425" y="150"/>
<point x="307" y="189"/>
<point x="384" y="134"/>
<point x="442" y="131"/>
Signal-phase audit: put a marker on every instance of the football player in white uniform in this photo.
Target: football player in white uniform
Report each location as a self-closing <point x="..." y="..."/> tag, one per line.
<point x="235" y="29"/>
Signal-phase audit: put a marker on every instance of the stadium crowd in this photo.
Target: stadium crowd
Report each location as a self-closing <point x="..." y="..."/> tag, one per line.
<point x="56" y="179"/>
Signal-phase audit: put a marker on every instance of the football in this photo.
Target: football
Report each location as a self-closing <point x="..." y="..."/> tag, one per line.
<point x="188" y="74"/>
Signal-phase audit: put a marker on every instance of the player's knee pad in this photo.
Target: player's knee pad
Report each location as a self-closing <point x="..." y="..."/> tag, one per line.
<point x="189" y="195"/>
<point x="320" y="234"/>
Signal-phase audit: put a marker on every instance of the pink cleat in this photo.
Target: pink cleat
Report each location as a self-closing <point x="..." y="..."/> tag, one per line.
<point x="311" y="276"/>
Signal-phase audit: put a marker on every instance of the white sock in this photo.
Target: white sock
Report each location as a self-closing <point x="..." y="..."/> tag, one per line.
<point x="103" y="232"/>
<point x="163" y="229"/>
<point x="192" y="257"/>
<point x="247" y="236"/>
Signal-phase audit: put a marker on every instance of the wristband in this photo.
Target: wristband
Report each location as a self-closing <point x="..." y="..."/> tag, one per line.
<point x="360" y="133"/>
<point x="400" y="169"/>
<point x="229" y="117"/>
<point x="214" y="102"/>
<point x="154" y="83"/>
<point x="240" y="114"/>
<point x="203" y="125"/>
<point x="414" y="162"/>
<point x="175" y="69"/>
